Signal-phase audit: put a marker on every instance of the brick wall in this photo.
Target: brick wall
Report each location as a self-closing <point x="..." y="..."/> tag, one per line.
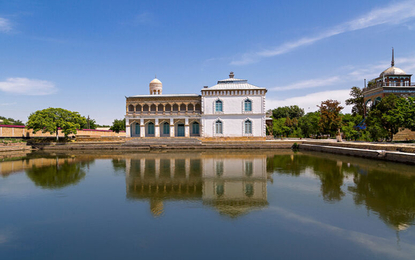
<point x="21" y="131"/>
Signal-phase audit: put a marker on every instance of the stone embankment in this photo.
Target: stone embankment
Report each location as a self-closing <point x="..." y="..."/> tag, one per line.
<point x="404" y="153"/>
<point x="10" y="147"/>
<point x="142" y="144"/>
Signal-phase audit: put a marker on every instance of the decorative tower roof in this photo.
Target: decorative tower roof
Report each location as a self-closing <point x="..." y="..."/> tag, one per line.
<point x="156" y="87"/>
<point x="392" y="70"/>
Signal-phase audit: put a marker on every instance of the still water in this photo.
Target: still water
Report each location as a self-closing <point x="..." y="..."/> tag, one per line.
<point x="205" y="205"/>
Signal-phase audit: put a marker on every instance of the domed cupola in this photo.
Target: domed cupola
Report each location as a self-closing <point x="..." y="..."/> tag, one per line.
<point x="392" y="70"/>
<point x="156" y="87"/>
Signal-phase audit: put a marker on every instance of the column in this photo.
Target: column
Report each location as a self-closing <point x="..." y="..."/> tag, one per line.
<point x="156" y="128"/>
<point x="171" y="127"/>
<point x="142" y="128"/>
<point x="127" y="128"/>
<point x="186" y="127"/>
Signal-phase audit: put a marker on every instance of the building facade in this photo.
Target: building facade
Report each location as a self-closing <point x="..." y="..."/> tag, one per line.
<point x="232" y="108"/>
<point x="393" y="80"/>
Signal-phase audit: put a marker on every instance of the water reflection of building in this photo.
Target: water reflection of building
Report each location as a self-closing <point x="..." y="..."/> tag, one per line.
<point x="231" y="184"/>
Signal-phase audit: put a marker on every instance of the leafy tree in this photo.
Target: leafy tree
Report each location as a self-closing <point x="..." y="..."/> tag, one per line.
<point x="357" y="101"/>
<point x="405" y="112"/>
<point x="291" y="112"/>
<point x="10" y="121"/>
<point x="92" y="124"/>
<point x="52" y="119"/>
<point x="384" y="119"/>
<point x="279" y="128"/>
<point x="330" y="119"/>
<point x="309" y="124"/>
<point x="349" y="123"/>
<point x="118" y="125"/>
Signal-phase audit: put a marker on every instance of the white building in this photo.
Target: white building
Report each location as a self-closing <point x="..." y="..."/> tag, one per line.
<point x="232" y="108"/>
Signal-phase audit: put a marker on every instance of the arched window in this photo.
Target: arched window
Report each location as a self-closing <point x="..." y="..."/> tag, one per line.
<point x="218" y="106"/>
<point x="195" y="128"/>
<point x="137" y="129"/>
<point x="218" y="127"/>
<point x="248" y="127"/>
<point x="130" y="108"/>
<point x="166" y="128"/>
<point x="150" y="128"/>
<point x="248" y="105"/>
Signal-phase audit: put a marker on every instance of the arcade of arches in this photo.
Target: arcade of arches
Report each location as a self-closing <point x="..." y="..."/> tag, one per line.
<point x="164" y="116"/>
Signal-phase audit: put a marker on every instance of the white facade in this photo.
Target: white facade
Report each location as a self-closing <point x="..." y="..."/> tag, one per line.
<point x="231" y="108"/>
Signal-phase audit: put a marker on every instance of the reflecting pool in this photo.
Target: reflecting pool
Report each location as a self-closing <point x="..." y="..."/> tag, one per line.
<point x="205" y="205"/>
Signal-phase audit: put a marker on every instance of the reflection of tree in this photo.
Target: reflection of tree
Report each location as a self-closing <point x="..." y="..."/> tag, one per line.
<point x="119" y="165"/>
<point x="329" y="171"/>
<point x="391" y="195"/>
<point x="57" y="176"/>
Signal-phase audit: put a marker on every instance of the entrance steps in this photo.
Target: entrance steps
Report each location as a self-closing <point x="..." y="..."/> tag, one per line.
<point x="163" y="142"/>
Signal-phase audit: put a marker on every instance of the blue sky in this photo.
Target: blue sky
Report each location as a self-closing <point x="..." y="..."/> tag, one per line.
<point x="86" y="56"/>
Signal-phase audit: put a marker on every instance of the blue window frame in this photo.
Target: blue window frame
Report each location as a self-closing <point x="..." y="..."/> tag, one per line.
<point x="166" y="128"/>
<point x="248" y="105"/>
<point x="218" y="127"/>
<point x="137" y="129"/>
<point x="248" y="127"/>
<point x="195" y="128"/>
<point x="218" y="106"/>
<point x="150" y="128"/>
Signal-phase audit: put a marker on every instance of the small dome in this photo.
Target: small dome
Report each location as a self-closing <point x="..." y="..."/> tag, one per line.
<point x="156" y="87"/>
<point x="392" y="71"/>
<point x="155" y="81"/>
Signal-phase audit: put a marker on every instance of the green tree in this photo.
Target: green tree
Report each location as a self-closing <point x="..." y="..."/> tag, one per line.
<point x="405" y="112"/>
<point x="309" y="124"/>
<point x="279" y="127"/>
<point x="10" y="121"/>
<point x="92" y="124"/>
<point x="385" y="119"/>
<point x="357" y="101"/>
<point x="52" y="119"/>
<point x="118" y="125"/>
<point x="330" y="119"/>
<point x="291" y="112"/>
<point x="349" y="123"/>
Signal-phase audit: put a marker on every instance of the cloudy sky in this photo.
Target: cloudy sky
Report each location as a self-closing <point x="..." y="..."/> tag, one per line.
<point x="86" y="56"/>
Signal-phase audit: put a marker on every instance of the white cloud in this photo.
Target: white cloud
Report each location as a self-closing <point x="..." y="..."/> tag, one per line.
<point x="376" y="244"/>
<point x="5" y="25"/>
<point x="310" y="83"/>
<point x="25" y="86"/>
<point x="396" y="13"/>
<point x="309" y="102"/>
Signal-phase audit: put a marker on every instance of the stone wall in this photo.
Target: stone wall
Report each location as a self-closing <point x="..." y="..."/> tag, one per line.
<point x="22" y="132"/>
<point x="404" y="135"/>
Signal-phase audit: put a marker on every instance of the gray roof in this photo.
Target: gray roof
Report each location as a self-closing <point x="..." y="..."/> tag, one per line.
<point x="232" y="83"/>
<point x="168" y="95"/>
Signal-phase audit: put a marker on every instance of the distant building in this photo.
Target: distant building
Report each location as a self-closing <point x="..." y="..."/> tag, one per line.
<point x="232" y="108"/>
<point x="391" y="81"/>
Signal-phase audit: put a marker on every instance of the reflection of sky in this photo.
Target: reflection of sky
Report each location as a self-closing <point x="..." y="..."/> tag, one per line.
<point x="93" y="219"/>
<point x="376" y="244"/>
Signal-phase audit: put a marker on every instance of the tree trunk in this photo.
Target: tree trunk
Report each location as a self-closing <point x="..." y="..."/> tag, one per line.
<point x="57" y="134"/>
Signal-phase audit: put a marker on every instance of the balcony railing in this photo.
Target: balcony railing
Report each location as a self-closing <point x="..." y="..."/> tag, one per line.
<point x="390" y="84"/>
